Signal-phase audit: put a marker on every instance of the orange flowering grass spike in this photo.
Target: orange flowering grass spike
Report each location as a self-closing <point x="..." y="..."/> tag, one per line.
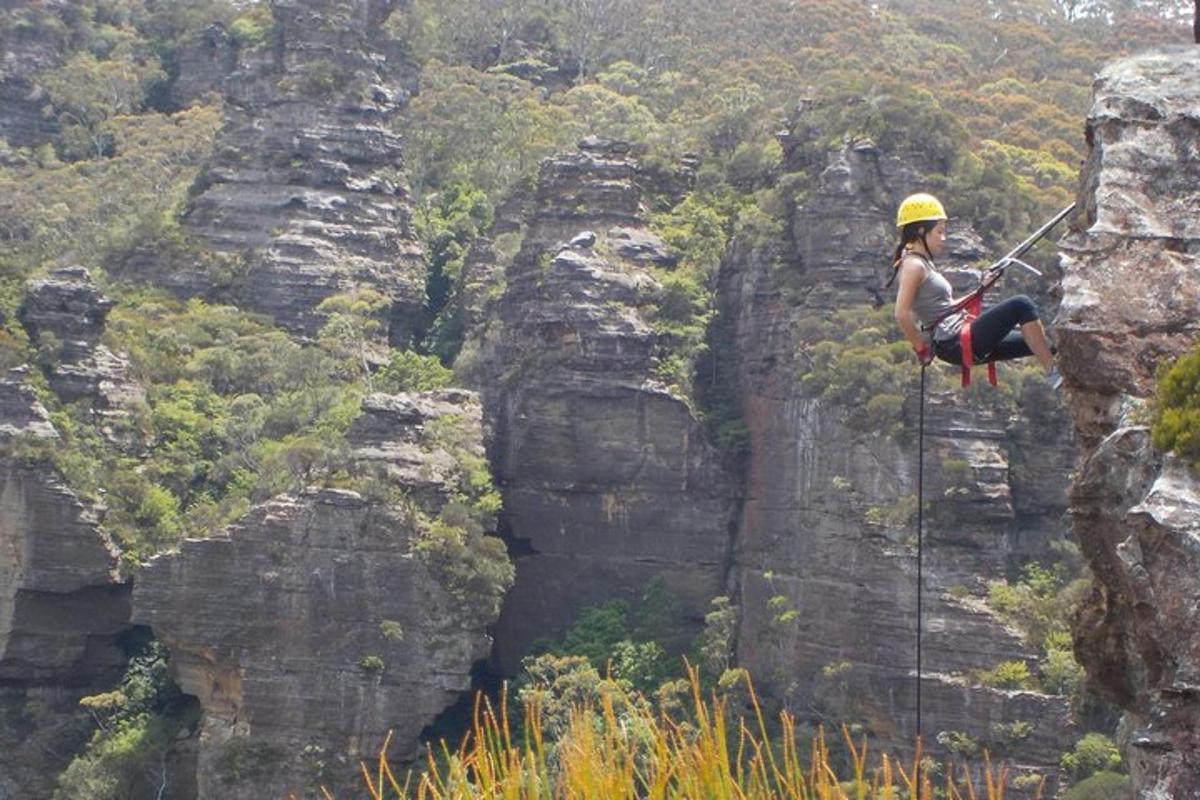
<point x="617" y="747"/>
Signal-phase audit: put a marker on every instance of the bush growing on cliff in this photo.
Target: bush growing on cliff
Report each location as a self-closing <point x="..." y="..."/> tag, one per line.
<point x="638" y="643"/>
<point x="1101" y="786"/>
<point x="235" y="412"/>
<point x="136" y="723"/>
<point x="1094" y="753"/>
<point x="1040" y="604"/>
<point x="474" y="566"/>
<point x="1176" y="426"/>
<point x="449" y="223"/>
<point x="857" y="360"/>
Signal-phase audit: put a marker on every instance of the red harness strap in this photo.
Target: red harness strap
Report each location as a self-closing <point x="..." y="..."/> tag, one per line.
<point x="972" y="308"/>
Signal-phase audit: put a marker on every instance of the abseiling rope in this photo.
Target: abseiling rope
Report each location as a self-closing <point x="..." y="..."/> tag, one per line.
<point x="920" y="535"/>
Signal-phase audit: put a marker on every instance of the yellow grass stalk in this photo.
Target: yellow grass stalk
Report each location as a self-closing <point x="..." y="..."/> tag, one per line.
<point x="622" y="750"/>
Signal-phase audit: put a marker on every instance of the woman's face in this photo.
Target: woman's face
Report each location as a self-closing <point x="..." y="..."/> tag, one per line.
<point x="936" y="239"/>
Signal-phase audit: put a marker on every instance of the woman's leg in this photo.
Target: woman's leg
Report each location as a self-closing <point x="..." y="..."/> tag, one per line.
<point x="990" y="339"/>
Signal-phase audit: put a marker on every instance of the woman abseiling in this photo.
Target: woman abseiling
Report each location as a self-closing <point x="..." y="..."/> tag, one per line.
<point x="926" y="307"/>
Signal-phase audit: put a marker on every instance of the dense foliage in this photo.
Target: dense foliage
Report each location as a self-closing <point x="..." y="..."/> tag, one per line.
<point x="135" y="725"/>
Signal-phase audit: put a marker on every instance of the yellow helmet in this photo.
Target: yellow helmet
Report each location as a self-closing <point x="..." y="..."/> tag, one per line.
<point x="919" y="207"/>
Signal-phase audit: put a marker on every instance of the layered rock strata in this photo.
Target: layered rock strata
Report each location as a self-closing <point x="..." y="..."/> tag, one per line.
<point x="30" y="45"/>
<point x="313" y="627"/>
<point x="65" y="314"/>
<point x="607" y="476"/>
<point x="306" y="198"/>
<point x="1131" y="303"/>
<point x="63" y="605"/>
<point x="825" y="558"/>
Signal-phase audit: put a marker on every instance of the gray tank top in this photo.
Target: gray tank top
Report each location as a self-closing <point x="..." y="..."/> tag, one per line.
<point x="935" y="300"/>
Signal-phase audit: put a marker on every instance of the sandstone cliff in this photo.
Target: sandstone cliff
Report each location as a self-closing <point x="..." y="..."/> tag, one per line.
<point x="314" y="626"/>
<point x="305" y="198"/>
<point x="607" y="476"/>
<point x="1131" y="301"/>
<point x="62" y="603"/>
<point x="824" y="556"/>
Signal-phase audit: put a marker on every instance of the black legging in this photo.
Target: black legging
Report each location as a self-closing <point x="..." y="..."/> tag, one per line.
<point x="992" y="334"/>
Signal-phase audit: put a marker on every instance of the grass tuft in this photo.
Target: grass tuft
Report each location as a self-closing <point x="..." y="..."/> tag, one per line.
<point x="628" y="751"/>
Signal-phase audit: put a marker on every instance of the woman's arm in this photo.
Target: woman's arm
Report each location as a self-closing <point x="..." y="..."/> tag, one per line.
<point x="912" y="275"/>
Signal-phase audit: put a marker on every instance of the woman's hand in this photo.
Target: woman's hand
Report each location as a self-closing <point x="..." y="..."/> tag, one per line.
<point x="925" y="355"/>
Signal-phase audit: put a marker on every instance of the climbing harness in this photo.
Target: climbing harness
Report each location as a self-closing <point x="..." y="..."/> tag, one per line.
<point x="971" y="306"/>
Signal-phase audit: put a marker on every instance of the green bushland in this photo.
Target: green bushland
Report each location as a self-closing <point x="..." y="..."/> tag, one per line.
<point x="235" y="412"/>
<point x="857" y="360"/>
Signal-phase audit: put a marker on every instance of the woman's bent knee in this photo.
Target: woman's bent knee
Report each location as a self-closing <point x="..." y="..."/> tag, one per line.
<point x="1023" y="309"/>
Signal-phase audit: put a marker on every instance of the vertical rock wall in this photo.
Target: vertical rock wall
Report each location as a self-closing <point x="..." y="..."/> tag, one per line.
<point x="607" y="476"/>
<point x="312" y="628"/>
<point x="62" y="603"/>
<point x="305" y="198"/>
<point x="827" y="574"/>
<point x="1131" y="302"/>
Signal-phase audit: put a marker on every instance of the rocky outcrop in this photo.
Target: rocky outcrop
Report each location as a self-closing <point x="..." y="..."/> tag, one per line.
<point x="315" y="625"/>
<point x="202" y="63"/>
<point x="62" y="601"/>
<point x="63" y="605"/>
<point x="607" y="476"/>
<point x="30" y="44"/>
<point x="306" y="198"/>
<point x="1131" y="302"/>
<point x="825" y="556"/>
<point x="65" y="314"/>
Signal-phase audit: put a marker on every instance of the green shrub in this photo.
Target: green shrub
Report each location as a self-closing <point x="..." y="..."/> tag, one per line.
<point x="1094" y="753"/>
<point x="243" y="760"/>
<point x="371" y="663"/>
<point x="1009" y="733"/>
<point x="1101" y="786"/>
<point x="1176" y="425"/>
<point x="1060" y="672"/>
<point x="253" y="25"/>
<point x="959" y="743"/>
<point x="1008" y="675"/>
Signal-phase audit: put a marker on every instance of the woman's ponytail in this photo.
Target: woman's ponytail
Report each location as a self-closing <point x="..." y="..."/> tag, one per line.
<point x="912" y="232"/>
